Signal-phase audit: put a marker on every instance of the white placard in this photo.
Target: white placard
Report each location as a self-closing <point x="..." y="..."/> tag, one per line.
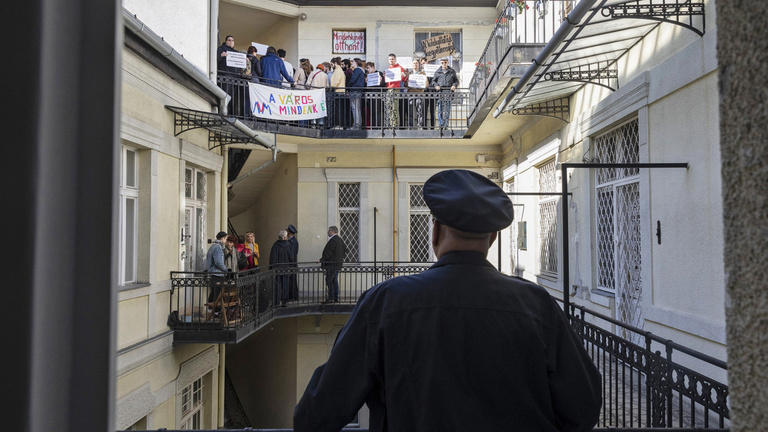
<point x="393" y="74"/>
<point x="282" y="104"/>
<point x="236" y="59"/>
<point x="417" y="81"/>
<point x="261" y="49"/>
<point x="373" y="80"/>
<point x="406" y="62"/>
<point x="430" y="69"/>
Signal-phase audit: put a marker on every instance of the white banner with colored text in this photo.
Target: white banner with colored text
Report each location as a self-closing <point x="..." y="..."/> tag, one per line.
<point x="285" y="104"/>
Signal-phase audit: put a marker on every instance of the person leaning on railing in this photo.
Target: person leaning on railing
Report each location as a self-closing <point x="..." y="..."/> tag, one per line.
<point x="273" y="69"/>
<point x="216" y="268"/>
<point x="444" y="81"/>
<point x="279" y="260"/>
<point x="459" y="346"/>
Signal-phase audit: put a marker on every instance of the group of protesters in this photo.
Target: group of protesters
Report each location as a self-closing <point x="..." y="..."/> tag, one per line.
<point x="358" y="94"/>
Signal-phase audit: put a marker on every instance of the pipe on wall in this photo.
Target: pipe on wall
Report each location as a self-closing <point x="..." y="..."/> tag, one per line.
<point x="394" y="203"/>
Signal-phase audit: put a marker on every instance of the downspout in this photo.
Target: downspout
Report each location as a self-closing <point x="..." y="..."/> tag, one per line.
<point x="394" y="203"/>
<point x="256" y="135"/>
<point x="213" y="26"/>
<point x="224" y="189"/>
<point x="572" y="20"/>
<point x="222" y="378"/>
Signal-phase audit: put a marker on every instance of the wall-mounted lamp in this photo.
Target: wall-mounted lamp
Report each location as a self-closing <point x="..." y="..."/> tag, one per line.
<point x="303" y="16"/>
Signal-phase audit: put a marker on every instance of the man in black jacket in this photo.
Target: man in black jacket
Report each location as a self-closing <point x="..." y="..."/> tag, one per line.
<point x="331" y="262"/>
<point x="445" y="82"/>
<point x="460" y="346"/>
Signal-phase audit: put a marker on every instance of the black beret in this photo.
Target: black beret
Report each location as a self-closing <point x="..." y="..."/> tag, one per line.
<point x="220" y="235"/>
<point x="291" y="229"/>
<point x="467" y="201"/>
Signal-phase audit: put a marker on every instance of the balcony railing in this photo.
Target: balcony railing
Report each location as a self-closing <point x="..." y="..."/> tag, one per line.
<point x="385" y="113"/>
<point x="521" y="30"/>
<point x="244" y="302"/>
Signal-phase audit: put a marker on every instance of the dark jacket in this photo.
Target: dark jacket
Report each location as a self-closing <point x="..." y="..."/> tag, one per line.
<point x="294" y="249"/>
<point x="281" y="254"/>
<point x="459" y="347"/>
<point x="272" y="68"/>
<point x="255" y="67"/>
<point x="445" y="78"/>
<point x="357" y="79"/>
<point x="333" y="253"/>
<point x="222" y="61"/>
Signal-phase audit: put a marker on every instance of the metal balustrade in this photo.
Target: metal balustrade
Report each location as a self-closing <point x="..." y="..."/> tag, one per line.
<point x="389" y="113"/>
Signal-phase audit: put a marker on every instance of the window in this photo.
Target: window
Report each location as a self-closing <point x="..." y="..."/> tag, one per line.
<point x="617" y="205"/>
<point x="193" y="229"/>
<point x="349" y="219"/>
<point x="509" y="186"/>
<point x="420" y="220"/>
<point x="129" y="204"/>
<point x="192" y="405"/>
<point x="548" y="219"/>
<point x="457" y="45"/>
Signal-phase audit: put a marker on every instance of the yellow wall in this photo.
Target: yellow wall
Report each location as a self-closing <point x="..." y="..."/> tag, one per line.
<point x="132" y="321"/>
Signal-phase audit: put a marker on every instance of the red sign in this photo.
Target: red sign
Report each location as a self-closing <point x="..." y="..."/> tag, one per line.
<point x="348" y="42"/>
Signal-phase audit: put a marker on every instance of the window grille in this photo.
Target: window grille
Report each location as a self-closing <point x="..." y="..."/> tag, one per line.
<point x="617" y="204"/>
<point x="420" y="222"/>
<point x="129" y="204"/>
<point x="349" y="219"/>
<point x="548" y="219"/>
<point x="192" y="405"/>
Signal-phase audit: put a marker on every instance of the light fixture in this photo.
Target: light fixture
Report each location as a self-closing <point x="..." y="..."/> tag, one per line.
<point x="303" y="16"/>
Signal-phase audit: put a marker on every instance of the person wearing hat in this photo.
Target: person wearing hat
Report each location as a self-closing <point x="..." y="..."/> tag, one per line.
<point x="444" y="81"/>
<point x="214" y="265"/>
<point x="460" y="346"/>
<point x="293" y="286"/>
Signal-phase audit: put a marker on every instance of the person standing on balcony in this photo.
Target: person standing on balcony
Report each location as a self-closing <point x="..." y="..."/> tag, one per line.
<point x="416" y="104"/>
<point x="273" y="69"/>
<point x="445" y="82"/>
<point x="356" y="83"/>
<point x="221" y="55"/>
<point x="251" y="251"/>
<point x="460" y="346"/>
<point x="429" y="103"/>
<point x="394" y="111"/>
<point x="293" y="290"/>
<point x="288" y="67"/>
<point x="280" y="261"/>
<point x="255" y="64"/>
<point x="318" y="79"/>
<point x="338" y="82"/>
<point x="332" y="261"/>
<point x="373" y="102"/>
<point x="216" y="268"/>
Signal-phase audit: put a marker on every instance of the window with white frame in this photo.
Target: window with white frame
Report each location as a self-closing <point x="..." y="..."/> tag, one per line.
<point x="617" y="210"/>
<point x="548" y="219"/>
<point x="192" y="405"/>
<point x="129" y="212"/>
<point x="454" y="63"/>
<point x="420" y="226"/>
<point x="349" y="219"/>
<point x="195" y="213"/>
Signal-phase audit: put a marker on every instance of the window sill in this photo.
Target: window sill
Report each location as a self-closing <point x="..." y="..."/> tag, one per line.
<point x="601" y="297"/>
<point x="132" y="286"/>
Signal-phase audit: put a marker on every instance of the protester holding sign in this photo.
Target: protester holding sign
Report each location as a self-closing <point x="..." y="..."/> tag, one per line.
<point x="417" y="82"/>
<point x="221" y="54"/>
<point x="373" y="105"/>
<point x="396" y="77"/>
<point x="445" y="82"/>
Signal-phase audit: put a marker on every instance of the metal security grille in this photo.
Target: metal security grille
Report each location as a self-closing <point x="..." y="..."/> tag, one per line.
<point x="420" y="226"/>
<point x="617" y="203"/>
<point x="349" y="219"/>
<point x="548" y="219"/>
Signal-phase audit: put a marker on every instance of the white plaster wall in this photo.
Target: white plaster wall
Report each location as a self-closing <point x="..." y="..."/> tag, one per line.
<point x="184" y="24"/>
<point x="391" y="29"/>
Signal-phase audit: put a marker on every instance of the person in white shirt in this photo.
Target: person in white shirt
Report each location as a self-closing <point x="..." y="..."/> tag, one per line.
<point x="288" y="66"/>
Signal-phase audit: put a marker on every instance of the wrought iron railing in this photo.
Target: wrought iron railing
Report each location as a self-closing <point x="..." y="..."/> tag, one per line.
<point x="522" y="28"/>
<point x="200" y="301"/>
<point x="644" y="381"/>
<point x="428" y="113"/>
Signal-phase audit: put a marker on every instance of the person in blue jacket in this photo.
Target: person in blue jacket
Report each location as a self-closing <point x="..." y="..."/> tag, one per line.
<point x="460" y="346"/>
<point x="273" y="69"/>
<point x="356" y="83"/>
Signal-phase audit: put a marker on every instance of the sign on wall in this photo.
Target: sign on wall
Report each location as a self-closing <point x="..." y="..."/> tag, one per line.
<point x="284" y="104"/>
<point x="348" y="41"/>
<point x="438" y="46"/>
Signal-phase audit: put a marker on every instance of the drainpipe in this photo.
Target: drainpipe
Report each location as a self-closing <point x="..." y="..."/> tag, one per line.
<point x="222" y="378"/>
<point x="572" y="20"/>
<point x="213" y="43"/>
<point x="260" y="137"/>
<point x="394" y="203"/>
<point x="224" y="198"/>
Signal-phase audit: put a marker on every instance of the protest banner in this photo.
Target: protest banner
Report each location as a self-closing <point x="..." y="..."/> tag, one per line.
<point x="430" y="69"/>
<point x="348" y="41"/>
<point x="438" y="46"/>
<point x="283" y="104"/>
<point x="392" y="74"/>
<point x="417" y="81"/>
<point x="261" y="49"/>
<point x="373" y="80"/>
<point x="236" y="59"/>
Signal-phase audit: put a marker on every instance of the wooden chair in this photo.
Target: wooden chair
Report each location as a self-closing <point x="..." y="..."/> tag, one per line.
<point x="228" y="301"/>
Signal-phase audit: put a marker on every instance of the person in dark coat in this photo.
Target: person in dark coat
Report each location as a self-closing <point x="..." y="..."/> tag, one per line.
<point x="460" y="346"/>
<point x="221" y="55"/>
<point x="331" y="262"/>
<point x="280" y="260"/>
<point x="445" y="82"/>
<point x="255" y="62"/>
<point x="293" y="291"/>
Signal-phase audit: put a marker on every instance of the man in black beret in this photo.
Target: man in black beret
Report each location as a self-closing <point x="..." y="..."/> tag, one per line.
<point x="461" y="346"/>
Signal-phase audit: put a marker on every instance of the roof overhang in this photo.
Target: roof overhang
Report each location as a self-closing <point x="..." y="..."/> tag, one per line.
<point x="222" y="130"/>
<point x="587" y="47"/>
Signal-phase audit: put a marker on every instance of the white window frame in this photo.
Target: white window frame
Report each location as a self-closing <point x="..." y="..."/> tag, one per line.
<point x="193" y="203"/>
<point x="421" y="210"/>
<point x="192" y="408"/>
<point x="548" y="200"/>
<point x="128" y="193"/>
<point x="350" y="210"/>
